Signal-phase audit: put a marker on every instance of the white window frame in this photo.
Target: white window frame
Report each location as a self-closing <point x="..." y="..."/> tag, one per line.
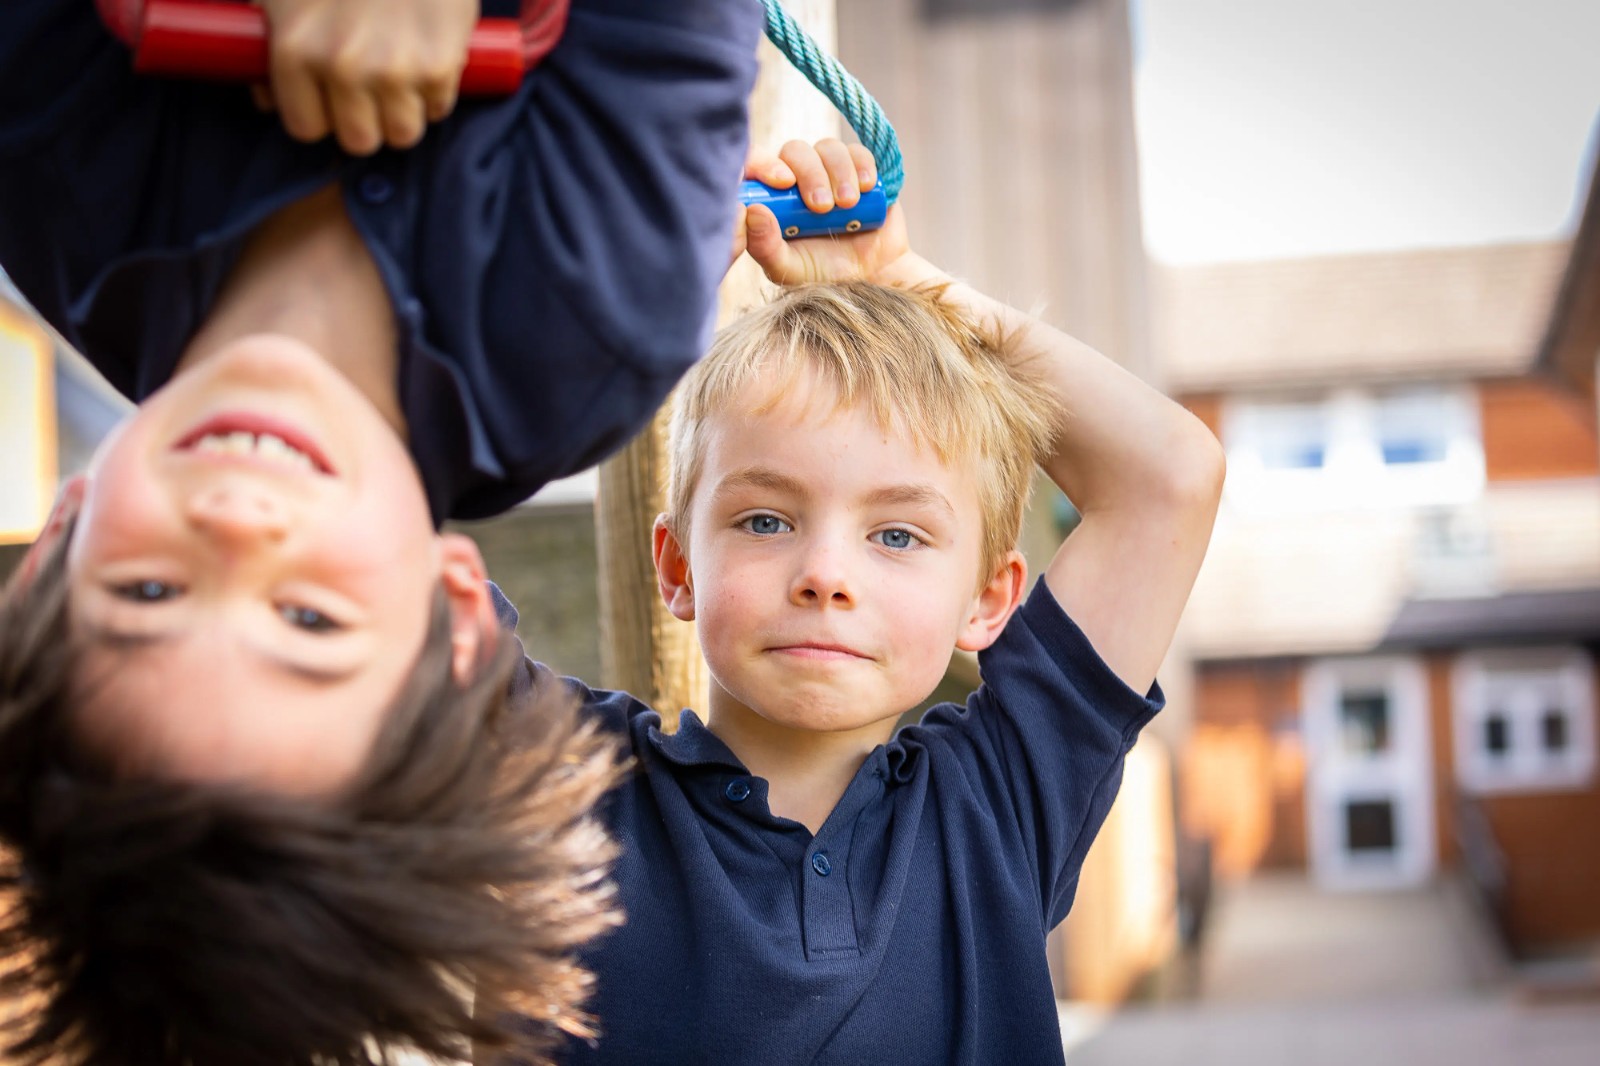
<point x="1353" y="473"/>
<point x="1510" y="681"/>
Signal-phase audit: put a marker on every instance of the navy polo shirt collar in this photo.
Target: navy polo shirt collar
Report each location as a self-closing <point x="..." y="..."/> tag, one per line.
<point x="694" y="745"/>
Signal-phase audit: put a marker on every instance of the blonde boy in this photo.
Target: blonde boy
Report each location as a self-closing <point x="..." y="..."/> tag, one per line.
<point x="849" y="466"/>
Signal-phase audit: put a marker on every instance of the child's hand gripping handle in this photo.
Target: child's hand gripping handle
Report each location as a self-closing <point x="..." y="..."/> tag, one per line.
<point x="796" y="220"/>
<point x="228" y="42"/>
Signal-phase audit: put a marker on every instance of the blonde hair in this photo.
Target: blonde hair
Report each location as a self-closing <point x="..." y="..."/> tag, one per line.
<point x="905" y="355"/>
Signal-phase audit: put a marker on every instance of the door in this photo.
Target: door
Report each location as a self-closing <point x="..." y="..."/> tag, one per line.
<point x="1369" y="775"/>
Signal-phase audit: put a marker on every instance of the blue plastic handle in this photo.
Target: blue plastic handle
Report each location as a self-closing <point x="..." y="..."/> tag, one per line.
<point x="797" y="220"/>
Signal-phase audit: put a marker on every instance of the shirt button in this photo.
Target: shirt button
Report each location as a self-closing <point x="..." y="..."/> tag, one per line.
<point x="820" y="863"/>
<point x="375" y="189"/>
<point x="737" y="790"/>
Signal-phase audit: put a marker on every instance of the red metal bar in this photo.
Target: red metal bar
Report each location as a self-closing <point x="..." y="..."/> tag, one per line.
<point x="228" y="41"/>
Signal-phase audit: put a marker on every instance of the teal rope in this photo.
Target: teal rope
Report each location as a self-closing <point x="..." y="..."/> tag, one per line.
<point x="844" y="92"/>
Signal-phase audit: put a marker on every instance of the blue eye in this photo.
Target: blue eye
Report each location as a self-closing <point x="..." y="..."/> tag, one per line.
<point x="308" y="619"/>
<point x="146" y="591"/>
<point x="898" y="539"/>
<point x="766" y="525"/>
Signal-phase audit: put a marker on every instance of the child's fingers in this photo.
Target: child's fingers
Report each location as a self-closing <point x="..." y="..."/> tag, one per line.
<point x="436" y="76"/>
<point x="866" y="166"/>
<point x="403" y="114"/>
<point x="764" y="167"/>
<point x="811" y="176"/>
<point x="740" y="235"/>
<point x="841" y="170"/>
<point x="356" y="119"/>
<point x="299" y="96"/>
<point x="439" y="93"/>
<point x="765" y="242"/>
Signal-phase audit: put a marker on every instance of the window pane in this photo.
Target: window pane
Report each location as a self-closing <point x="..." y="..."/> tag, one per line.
<point x="1399" y="451"/>
<point x="1289" y="435"/>
<point x="1496" y="735"/>
<point x="1554" y="728"/>
<point x="1364" y="722"/>
<point x="1369" y="826"/>
<point x="1414" y="427"/>
<point x="1296" y="456"/>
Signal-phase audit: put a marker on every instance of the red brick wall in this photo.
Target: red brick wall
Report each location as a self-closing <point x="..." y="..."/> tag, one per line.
<point x="1441" y="733"/>
<point x="1533" y="430"/>
<point x="1243" y="770"/>
<point x="1207" y="407"/>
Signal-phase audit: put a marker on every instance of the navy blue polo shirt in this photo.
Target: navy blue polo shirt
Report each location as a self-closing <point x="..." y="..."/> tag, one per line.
<point x="911" y="928"/>
<point x="552" y="257"/>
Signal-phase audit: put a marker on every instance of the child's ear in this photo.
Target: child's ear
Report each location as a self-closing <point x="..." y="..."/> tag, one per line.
<point x="994" y="604"/>
<point x="473" y="625"/>
<point x="673" y="575"/>
<point x="69" y="501"/>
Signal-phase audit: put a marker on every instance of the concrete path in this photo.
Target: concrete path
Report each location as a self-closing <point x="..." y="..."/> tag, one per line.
<point x="1293" y="977"/>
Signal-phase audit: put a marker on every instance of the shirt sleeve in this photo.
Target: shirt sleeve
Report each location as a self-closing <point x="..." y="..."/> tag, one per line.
<point x="1041" y="743"/>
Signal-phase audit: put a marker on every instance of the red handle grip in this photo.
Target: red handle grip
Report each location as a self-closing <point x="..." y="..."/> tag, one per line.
<point x="228" y="42"/>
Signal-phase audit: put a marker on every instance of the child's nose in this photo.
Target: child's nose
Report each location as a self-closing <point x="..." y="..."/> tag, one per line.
<point x="238" y="513"/>
<point x="823" y="578"/>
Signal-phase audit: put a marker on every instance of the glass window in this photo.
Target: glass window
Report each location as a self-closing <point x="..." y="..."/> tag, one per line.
<point x="1415" y="447"/>
<point x="1554" y="728"/>
<point x="1364" y="722"/>
<point x="1414" y="427"/>
<point x="1524" y="720"/>
<point x="1496" y="737"/>
<point x="1291" y="436"/>
<point x="1369" y="826"/>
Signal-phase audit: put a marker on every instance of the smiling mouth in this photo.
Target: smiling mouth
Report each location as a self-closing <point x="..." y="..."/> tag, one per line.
<point x="258" y="438"/>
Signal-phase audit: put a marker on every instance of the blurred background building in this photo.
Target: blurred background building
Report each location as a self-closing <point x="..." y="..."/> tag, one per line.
<point x="1394" y="630"/>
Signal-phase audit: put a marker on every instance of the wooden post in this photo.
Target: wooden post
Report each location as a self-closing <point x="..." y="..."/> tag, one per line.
<point x="643" y="649"/>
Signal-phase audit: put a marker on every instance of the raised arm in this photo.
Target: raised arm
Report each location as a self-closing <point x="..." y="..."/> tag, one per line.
<point x="1144" y="473"/>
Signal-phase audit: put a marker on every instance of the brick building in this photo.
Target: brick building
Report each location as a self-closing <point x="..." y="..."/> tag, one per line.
<point x="1396" y="634"/>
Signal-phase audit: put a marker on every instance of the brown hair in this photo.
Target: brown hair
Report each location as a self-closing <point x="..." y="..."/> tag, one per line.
<point x="434" y="906"/>
<point x="916" y="363"/>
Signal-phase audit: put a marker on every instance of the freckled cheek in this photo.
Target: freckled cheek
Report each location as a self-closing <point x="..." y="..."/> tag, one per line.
<point x="726" y="609"/>
<point x="732" y="608"/>
<point x="926" y="634"/>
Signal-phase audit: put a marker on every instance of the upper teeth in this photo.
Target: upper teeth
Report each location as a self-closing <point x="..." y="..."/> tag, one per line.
<point x="261" y="444"/>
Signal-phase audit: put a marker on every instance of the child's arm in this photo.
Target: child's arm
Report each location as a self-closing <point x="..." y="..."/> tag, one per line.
<point x="1145" y="474"/>
<point x="372" y="72"/>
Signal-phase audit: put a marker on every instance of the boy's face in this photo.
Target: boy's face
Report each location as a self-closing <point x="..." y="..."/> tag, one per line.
<point x="252" y="575"/>
<point x="832" y="567"/>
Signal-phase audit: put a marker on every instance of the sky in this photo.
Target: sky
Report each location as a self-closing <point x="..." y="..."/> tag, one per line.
<point x="1276" y="128"/>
